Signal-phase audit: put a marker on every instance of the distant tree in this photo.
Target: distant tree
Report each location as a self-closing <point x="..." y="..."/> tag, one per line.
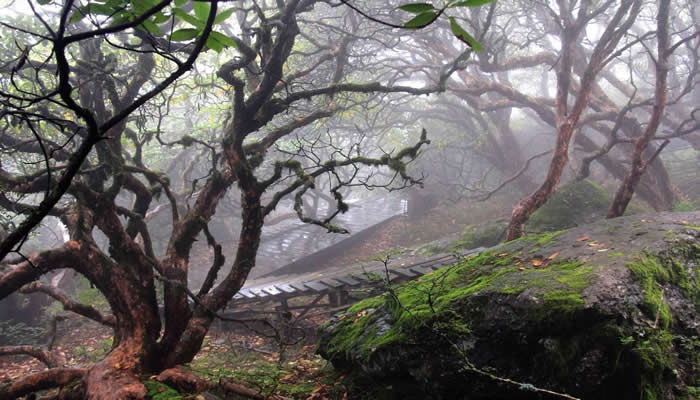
<point x="577" y="74"/>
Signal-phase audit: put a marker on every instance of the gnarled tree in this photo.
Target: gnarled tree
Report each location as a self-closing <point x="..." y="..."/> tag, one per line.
<point x="88" y="101"/>
<point x="571" y="78"/>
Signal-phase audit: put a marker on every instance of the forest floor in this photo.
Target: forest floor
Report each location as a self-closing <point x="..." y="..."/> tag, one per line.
<point x="257" y="360"/>
<point x="250" y="358"/>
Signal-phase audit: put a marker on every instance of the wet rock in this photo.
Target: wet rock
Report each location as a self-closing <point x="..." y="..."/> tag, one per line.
<point x="597" y="312"/>
<point x="572" y="205"/>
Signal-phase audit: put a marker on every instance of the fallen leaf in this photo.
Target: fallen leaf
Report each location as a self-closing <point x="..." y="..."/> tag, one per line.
<point x="501" y="255"/>
<point x="287" y="378"/>
<point x="318" y="389"/>
<point x="582" y="239"/>
<point x="684" y="222"/>
<point x="536" y="262"/>
<point x="553" y="256"/>
<point x="602" y="250"/>
<point x="594" y="244"/>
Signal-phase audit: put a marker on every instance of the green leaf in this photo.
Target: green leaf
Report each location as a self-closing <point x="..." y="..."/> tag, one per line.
<point x="182" y="35"/>
<point x="462" y="35"/>
<point x="141" y="6"/>
<point x="417" y="8"/>
<point x="100" y="9"/>
<point x="181" y="14"/>
<point x="121" y="17"/>
<point x="180" y="3"/>
<point x="151" y="27"/>
<point x="160" y="18"/>
<point x="214" y="44"/>
<point x="223" y="39"/>
<point x="470" y="3"/>
<point x="78" y="14"/>
<point x="222" y="16"/>
<point x="42" y="2"/>
<point x="201" y="10"/>
<point x="421" y="20"/>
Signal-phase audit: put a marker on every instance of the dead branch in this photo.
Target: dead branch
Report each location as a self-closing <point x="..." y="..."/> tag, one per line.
<point x="248" y="392"/>
<point x="41" y="354"/>
<point x="515" y="176"/>
<point x="68" y="304"/>
<point x="187" y="381"/>
<point x="41" y="381"/>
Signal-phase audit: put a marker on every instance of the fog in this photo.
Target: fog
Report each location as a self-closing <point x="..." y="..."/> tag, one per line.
<point x="196" y="167"/>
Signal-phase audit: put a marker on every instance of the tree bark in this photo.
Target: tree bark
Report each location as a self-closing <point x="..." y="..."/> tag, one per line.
<point x="639" y="166"/>
<point x="41" y="381"/>
<point x="525" y="208"/>
<point x="567" y="119"/>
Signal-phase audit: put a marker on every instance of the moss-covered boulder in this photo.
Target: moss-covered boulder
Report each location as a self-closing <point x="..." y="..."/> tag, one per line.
<point x="572" y="205"/>
<point x="487" y="234"/>
<point x="473" y="236"/>
<point x="608" y="310"/>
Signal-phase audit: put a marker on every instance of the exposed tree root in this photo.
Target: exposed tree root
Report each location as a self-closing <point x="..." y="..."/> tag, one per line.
<point x="37" y="352"/>
<point x="41" y="353"/>
<point x="182" y="380"/>
<point x="41" y="381"/>
<point x="187" y="381"/>
<point x="117" y="376"/>
<point x="248" y="392"/>
<point x="129" y="386"/>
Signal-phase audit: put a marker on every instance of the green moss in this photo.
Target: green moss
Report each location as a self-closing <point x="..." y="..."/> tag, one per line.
<point x="86" y="293"/>
<point x="371" y="302"/>
<point x="352" y="329"/>
<point x="654" y="348"/>
<point x="482" y="235"/>
<point x="572" y="205"/>
<point x="616" y="254"/>
<point x="576" y="276"/>
<point x="650" y="353"/>
<point x="540" y="240"/>
<point x="265" y="374"/>
<point x="687" y="205"/>
<point x="563" y="299"/>
<point x="93" y="354"/>
<point x="432" y="302"/>
<point x="653" y="274"/>
<point x="160" y="391"/>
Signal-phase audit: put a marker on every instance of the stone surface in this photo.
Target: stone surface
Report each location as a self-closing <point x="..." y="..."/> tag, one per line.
<point x="572" y="205"/>
<point x="607" y="310"/>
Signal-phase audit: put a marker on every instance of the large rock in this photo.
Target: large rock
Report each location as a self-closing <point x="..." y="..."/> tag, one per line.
<point x="602" y="311"/>
<point x="574" y="204"/>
